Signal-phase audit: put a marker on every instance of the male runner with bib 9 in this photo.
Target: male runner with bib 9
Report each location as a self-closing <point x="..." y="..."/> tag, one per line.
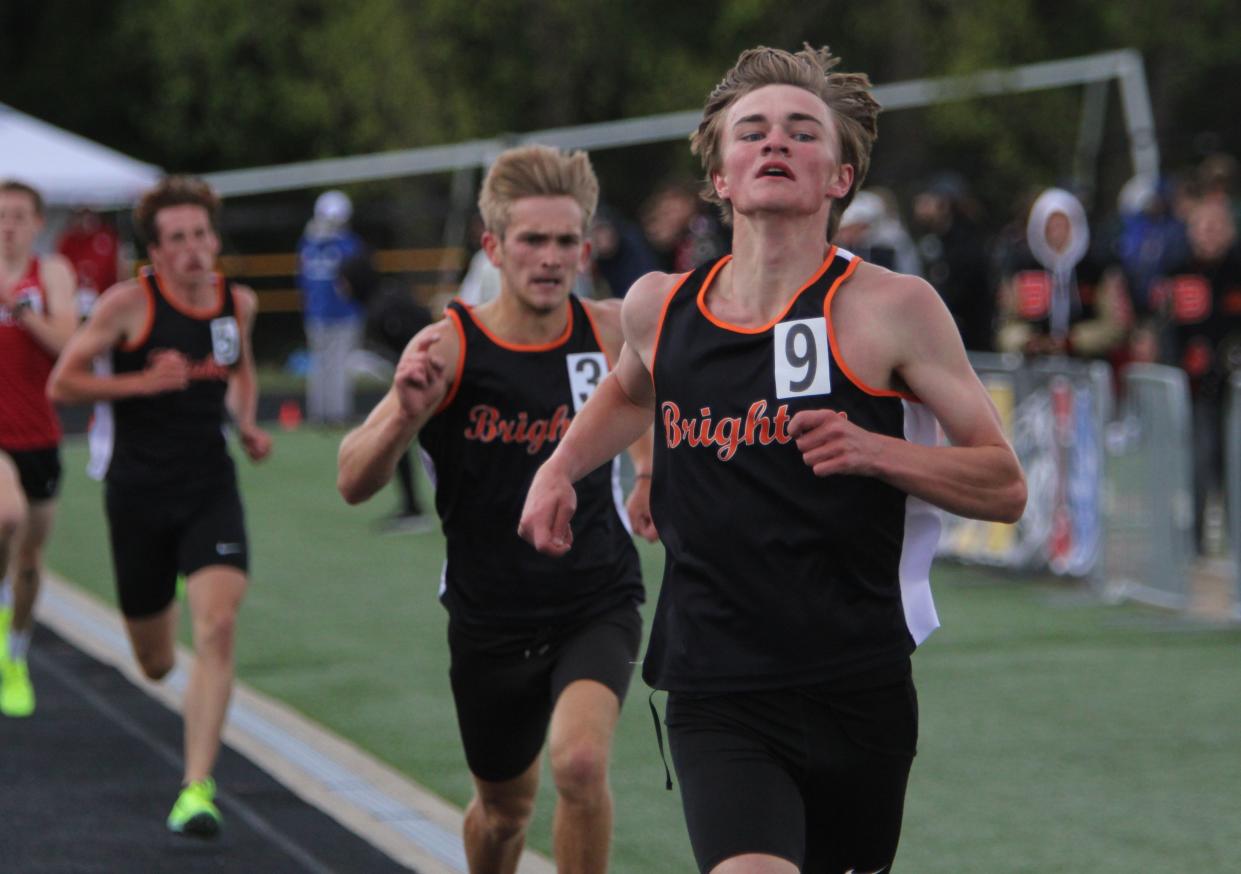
<point x="179" y="340"/>
<point x="489" y="391"/>
<point x="36" y="320"/>
<point x="795" y="392"/>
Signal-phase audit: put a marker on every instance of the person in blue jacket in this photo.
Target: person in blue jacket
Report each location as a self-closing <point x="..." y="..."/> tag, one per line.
<point x="334" y="321"/>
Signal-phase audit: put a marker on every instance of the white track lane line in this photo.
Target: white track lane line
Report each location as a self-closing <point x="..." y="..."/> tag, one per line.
<point x="412" y="825"/>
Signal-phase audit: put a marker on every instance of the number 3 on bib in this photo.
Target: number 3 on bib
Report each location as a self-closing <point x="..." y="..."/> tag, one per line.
<point x="802" y="362"/>
<point x="586" y="371"/>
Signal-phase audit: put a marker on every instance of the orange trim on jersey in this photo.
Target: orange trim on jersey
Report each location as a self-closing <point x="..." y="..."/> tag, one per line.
<point x="663" y="313"/>
<point x="456" y="377"/>
<point x="519" y="347"/>
<point x="207" y="312"/>
<point x="737" y="329"/>
<point x="145" y="285"/>
<point x="831" y="335"/>
<point x="594" y="329"/>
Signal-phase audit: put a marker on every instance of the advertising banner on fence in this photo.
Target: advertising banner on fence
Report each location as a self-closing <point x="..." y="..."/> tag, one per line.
<point x="1054" y="411"/>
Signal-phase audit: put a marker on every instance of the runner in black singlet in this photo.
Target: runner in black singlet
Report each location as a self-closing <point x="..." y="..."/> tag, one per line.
<point x="795" y="392"/>
<point x="541" y="647"/>
<point x="179" y="340"/>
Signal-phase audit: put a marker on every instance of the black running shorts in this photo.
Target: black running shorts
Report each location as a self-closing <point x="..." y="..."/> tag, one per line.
<point x="505" y="694"/>
<point x="156" y="536"/>
<point x="39" y="471"/>
<point x="813" y="776"/>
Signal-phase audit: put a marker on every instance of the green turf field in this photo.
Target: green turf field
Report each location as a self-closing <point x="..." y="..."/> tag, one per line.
<point x="1057" y="734"/>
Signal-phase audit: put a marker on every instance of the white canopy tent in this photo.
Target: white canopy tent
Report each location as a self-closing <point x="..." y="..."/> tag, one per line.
<point x="68" y="170"/>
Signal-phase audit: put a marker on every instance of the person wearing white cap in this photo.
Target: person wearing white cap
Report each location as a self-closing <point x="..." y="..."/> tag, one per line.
<point x="871" y="231"/>
<point x="333" y="320"/>
<point x="1057" y="299"/>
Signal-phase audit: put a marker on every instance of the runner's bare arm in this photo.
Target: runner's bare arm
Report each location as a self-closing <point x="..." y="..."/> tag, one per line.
<point x="424" y="376"/>
<point x="243" y="386"/>
<point x="607" y="315"/>
<point x="619" y="411"/>
<point x="978" y="476"/>
<point x="53" y="327"/>
<point x="120" y="315"/>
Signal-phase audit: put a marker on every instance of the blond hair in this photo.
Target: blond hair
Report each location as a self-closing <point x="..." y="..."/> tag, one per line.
<point x="537" y="171"/>
<point x="173" y="191"/>
<point x="847" y="96"/>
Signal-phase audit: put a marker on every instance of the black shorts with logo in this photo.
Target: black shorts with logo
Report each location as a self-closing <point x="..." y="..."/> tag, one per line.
<point x="39" y="471"/>
<point x="156" y="535"/>
<point x="505" y="693"/>
<point x="811" y="775"/>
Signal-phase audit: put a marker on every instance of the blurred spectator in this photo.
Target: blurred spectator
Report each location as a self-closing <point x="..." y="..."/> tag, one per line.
<point x="481" y="282"/>
<point x="1217" y="180"/>
<point x="1202" y="296"/>
<point x="1150" y="240"/>
<point x="93" y="247"/>
<point x="681" y="229"/>
<point x="869" y="230"/>
<point x="1055" y="299"/>
<point x="621" y="254"/>
<point x="393" y="317"/>
<point x="954" y="259"/>
<point x="333" y="321"/>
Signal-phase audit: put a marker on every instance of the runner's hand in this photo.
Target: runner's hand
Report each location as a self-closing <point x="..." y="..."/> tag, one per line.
<point x="830" y="444"/>
<point x="550" y="505"/>
<point x="420" y="380"/>
<point x="255" y="441"/>
<point x="639" y="508"/>
<point x="166" y="370"/>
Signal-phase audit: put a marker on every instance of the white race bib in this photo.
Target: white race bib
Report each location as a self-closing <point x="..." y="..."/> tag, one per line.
<point x="225" y="341"/>
<point x="802" y="361"/>
<point x="586" y="371"/>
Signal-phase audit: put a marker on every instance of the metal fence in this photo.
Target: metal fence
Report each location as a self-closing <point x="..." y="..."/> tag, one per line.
<point x="1149" y="508"/>
<point x="1055" y="411"/>
<point x="1110" y="491"/>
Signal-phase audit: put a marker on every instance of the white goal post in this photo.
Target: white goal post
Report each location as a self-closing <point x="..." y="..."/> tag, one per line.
<point x="1093" y="71"/>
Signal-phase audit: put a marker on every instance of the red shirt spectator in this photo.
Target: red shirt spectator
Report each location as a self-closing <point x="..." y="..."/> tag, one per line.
<point x="93" y="248"/>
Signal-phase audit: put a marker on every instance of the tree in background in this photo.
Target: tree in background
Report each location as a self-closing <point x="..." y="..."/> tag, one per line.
<point x="206" y="85"/>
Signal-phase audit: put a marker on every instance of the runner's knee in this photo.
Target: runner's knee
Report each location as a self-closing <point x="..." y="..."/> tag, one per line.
<point x="214" y="633"/>
<point x="155" y="664"/>
<point x="505" y="818"/>
<point x="11" y="514"/>
<point x="580" y="770"/>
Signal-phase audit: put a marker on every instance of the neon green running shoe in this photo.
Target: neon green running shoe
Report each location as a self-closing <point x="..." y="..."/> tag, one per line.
<point x="195" y="814"/>
<point x="16" y="693"/>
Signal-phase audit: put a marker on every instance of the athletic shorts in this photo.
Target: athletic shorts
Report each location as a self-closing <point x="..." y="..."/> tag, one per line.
<point x="155" y="536"/>
<point x="505" y="696"/>
<point x="39" y="470"/>
<point x="813" y="776"/>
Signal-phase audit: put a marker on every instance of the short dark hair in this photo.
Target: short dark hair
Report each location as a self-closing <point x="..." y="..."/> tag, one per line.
<point x="23" y="188"/>
<point x="173" y="191"/>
